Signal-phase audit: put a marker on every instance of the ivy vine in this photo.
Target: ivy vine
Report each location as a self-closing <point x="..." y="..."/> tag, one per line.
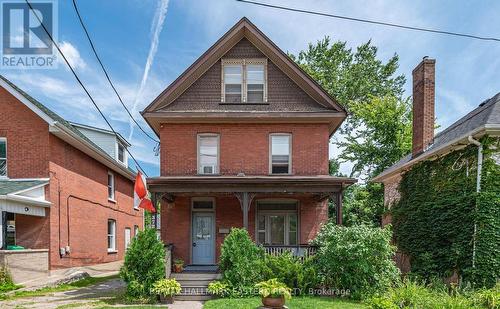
<point x="434" y="219"/>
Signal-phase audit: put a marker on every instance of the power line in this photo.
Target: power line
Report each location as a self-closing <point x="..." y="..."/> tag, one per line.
<point x="106" y="73"/>
<point x="80" y="82"/>
<point x="368" y="21"/>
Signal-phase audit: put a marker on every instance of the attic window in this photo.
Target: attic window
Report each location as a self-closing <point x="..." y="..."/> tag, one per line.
<point x="121" y="153"/>
<point x="244" y="81"/>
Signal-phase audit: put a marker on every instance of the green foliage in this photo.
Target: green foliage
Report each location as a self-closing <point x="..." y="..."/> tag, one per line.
<point x="434" y="218"/>
<point x="241" y="261"/>
<point x="362" y="204"/>
<point x="166" y="287"/>
<point x="378" y="129"/>
<point x="218" y="288"/>
<point x="273" y="288"/>
<point x="178" y="261"/>
<point x="410" y="294"/>
<point x="144" y="264"/>
<point x="6" y="283"/>
<point x="296" y="274"/>
<point x="357" y="258"/>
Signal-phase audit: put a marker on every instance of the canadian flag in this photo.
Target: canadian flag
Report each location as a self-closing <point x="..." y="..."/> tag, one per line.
<point x="141" y="194"/>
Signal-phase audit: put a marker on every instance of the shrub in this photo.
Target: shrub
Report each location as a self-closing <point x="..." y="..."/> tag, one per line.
<point x="6" y="283"/>
<point x="273" y="288"/>
<point x="296" y="274"/>
<point x="144" y="264"/>
<point x="218" y="288"/>
<point x="241" y="261"/>
<point x="166" y="287"/>
<point x="358" y="259"/>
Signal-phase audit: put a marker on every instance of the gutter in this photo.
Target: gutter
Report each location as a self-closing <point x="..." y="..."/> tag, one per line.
<point x="478" y="189"/>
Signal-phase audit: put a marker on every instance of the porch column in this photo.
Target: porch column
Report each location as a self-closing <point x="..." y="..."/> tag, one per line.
<point x="339" y="208"/>
<point x="245" y="199"/>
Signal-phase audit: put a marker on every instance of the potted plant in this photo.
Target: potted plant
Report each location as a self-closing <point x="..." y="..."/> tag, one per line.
<point x="273" y="293"/>
<point x="218" y="288"/>
<point x="178" y="265"/>
<point x="166" y="289"/>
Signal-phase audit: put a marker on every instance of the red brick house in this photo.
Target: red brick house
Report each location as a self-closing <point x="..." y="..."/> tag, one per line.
<point x="244" y="143"/>
<point x="66" y="192"/>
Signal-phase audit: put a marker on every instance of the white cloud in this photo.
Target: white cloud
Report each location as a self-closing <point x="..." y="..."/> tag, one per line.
<point x="72" y="54"/>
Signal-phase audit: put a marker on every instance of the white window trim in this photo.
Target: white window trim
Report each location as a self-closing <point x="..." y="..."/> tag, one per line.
<point x="4" y="139"/>
<point x="125" y="154"/>
<point x="199" y="136"/>
<point x="243" y="63"/>
<point x="267" y="223"/>
<point x="203" y="199"/>
<point x="113" y="186"/>
<point x="290" y="137"/>
<point x="125" y="237"/>
<point x="136" y="230"/>
<point x="113" y="235"/>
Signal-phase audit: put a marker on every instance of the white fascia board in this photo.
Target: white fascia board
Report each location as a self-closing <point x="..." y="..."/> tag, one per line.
<point x="25" y="200"/>
<point x="68" y="136"/>
<point x="26" y="102"/>
<point x="30" y="188"/>
<point x="482" y="130"/>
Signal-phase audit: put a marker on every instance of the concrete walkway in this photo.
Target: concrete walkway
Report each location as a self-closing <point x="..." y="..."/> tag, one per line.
<point x="96" y="296"/>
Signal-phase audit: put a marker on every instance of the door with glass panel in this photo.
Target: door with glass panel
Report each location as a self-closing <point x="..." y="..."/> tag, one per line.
<point x="277" y="229"/>
<point x="203" y="238"/>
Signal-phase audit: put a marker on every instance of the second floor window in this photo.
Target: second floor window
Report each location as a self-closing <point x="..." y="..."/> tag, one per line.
<point x="280" y="154"/>
<point x="208" y="154"/>
<point x="244" y="80"/>
<point x="3" y="157"/>
<point x="121" y="153"/>
<point x="111" y="186"/>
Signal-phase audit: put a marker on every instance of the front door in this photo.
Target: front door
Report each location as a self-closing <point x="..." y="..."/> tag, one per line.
<point x="203" y="238"/>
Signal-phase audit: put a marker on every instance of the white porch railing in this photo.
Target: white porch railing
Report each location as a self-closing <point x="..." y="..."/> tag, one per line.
<point x="301" y="251"/>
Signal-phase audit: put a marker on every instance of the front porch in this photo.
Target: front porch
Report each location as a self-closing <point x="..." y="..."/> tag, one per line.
<point x="280" y="212"/>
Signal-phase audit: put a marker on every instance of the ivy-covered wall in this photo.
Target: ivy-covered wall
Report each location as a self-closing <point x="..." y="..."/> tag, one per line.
<point x="434" y="218"/>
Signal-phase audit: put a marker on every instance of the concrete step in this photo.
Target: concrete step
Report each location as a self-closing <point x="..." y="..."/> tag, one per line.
<point x="196" y="276"/>
<point x="194" y="290"/>
<point x="194" y="282"/>
<point x="193" y="297"/>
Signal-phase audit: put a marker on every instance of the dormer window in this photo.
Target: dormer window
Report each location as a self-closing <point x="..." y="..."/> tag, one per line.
<point x="244" y="81"/>
<point x="121" y="153"/>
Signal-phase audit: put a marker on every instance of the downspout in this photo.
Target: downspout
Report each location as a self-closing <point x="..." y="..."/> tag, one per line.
<point x="478" y="189"/>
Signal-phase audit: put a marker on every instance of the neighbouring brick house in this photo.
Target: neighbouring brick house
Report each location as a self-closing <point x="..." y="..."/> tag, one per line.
<point x="244" y="143"/>
<point x="484" y="120"/>
<point x="66" y="192"/>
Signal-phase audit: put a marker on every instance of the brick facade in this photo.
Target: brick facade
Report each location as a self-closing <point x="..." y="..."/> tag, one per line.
<point x="77" y="190"/>
<point x="176" y="220"/>
<point x="249" y="155"/>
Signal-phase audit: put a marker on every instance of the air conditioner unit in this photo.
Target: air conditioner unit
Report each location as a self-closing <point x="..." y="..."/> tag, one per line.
<point x="208" y="169"/>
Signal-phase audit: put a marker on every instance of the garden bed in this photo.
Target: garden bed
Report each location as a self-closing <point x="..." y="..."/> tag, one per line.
<point x="295" y="303"/>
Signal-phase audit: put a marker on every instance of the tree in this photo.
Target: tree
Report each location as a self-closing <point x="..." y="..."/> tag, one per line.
<point x="377" y="132"/>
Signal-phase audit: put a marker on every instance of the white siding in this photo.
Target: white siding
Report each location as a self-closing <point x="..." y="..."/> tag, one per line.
<point x="104" y="140"/>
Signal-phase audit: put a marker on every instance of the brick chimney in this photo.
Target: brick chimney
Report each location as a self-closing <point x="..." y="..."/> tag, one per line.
<point x="423" y="105"/>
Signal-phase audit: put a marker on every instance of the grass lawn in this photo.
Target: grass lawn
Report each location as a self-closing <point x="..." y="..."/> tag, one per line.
<point x="294" y="303"/>
<point x="60" y="288"/>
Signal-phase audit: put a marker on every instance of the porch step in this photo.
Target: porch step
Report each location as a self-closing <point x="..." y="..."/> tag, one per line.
<point x="194" y="283"/>
<point x="196" y="276"/>
<point x="193" y="297"/>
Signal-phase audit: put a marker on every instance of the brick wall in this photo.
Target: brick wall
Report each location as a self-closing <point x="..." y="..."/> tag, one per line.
<point x="176" y="220"/>
<point x="80" y="178"/>
<point x="244" y="148"/>
<point x="27" y="139"/>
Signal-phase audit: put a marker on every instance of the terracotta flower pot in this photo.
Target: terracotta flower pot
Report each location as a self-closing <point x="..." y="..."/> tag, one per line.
<point x="166" y="299"/>
<point x="178" y="268"/>
<point x="273" y="302"/>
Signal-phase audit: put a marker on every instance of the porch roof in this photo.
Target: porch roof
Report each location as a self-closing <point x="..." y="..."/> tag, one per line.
<point x="254" y="184"/>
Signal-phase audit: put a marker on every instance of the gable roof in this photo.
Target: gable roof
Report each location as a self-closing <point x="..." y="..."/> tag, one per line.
<point x="484" y="119"/>
<point x="65" y="130"/>
<point x="242" y="29"/>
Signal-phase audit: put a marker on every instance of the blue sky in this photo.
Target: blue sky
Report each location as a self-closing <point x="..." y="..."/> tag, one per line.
<point x="468" y="71"/>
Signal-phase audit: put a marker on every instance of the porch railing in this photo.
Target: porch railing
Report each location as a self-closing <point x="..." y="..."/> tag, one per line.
<point x="301" y="251"/>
